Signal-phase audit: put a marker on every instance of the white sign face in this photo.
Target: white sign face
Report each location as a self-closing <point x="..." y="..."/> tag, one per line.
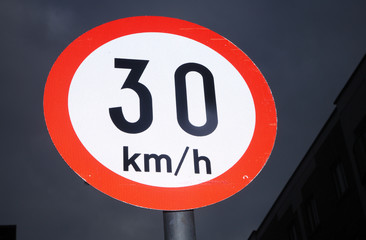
<point x="150" y="110"/>
<point x="161" y="153"/>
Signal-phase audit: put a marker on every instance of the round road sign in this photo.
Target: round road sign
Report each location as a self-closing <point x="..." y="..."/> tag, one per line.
<point x="160" y="113"/>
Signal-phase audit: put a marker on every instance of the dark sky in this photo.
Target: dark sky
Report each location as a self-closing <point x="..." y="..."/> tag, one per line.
<point x="306" y="50"/>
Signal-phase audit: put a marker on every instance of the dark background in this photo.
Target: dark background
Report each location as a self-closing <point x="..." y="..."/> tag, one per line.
<point x="306" y="50"/>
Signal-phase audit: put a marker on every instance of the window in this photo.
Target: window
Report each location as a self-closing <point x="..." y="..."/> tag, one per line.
<point x="359" y="149"/>
<point x="312" y="214"/>
<point x="340" y="179"/>
<point x="293" y="233"/>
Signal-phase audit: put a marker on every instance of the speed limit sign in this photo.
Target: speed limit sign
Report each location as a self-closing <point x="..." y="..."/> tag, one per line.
<point x="160" y="113"/>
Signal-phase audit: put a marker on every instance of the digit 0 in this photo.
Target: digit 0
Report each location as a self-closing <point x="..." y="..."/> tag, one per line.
<point x="181" y="99"/>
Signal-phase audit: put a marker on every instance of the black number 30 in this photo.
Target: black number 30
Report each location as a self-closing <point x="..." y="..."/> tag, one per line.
<point x="146" y="112"/>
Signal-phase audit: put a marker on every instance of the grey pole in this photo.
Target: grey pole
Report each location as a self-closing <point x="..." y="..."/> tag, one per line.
<point x="179" y="225"/>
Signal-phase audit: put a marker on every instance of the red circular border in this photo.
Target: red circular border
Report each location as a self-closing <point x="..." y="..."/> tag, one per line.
<point x="80" y="160"/>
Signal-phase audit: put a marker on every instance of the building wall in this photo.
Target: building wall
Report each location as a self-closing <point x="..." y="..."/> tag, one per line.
<point x="326" y="196"/>
<point x="8" y="232"/>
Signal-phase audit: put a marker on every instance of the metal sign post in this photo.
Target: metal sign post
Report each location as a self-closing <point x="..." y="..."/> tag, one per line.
<point x="179" y="225"/>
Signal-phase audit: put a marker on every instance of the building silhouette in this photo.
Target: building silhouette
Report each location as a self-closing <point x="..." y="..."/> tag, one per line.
<point x="8" y="232"/>
<point x="325" y="198"/>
